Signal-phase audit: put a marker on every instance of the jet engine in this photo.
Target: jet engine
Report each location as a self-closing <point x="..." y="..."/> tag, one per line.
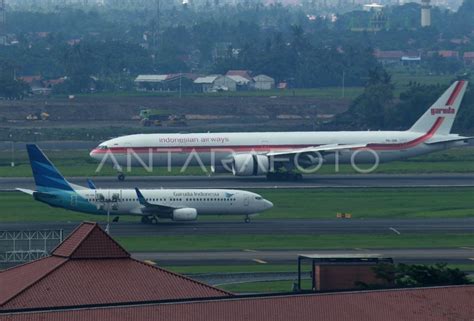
<point x="250" y="165"/>
<point x="184" y="214"/>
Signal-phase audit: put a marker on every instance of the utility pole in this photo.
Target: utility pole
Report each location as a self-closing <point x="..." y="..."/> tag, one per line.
<point x="156" y="30"/>
<point x="343" y="84"/>
<point x="3" y="29"/>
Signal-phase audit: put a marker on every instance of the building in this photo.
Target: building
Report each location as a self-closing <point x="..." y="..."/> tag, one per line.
<point x="468" y="58"/>
<point x="242" y="83"/>
<point x="388" y="57"/>
<point x="425" y="13"/>
<point x="422" y="304"/>
<point x="448" y="54"/>
<point x="165" y="82"/>
<point x="150" y="82"/>
<point x="263" y="82"/>
<point x="331" y="272"/>
<point x="242" y="73"/>
<point x="215" y="83"/>
<point x="89" y="267"/>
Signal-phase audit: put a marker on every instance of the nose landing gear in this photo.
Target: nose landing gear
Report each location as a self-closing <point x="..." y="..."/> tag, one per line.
<point x="247" y="219"/>
<point x="121" y="177"/>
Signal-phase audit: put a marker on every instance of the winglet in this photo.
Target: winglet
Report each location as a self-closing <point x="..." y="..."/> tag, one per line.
<point x="91" y="184"/>
<point x="141" y="198"/>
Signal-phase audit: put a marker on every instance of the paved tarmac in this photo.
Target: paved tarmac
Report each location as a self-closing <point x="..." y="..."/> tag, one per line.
<point x="272" y="227"/>
<point x="448" y="255"/>
<point x="228" y="181"/>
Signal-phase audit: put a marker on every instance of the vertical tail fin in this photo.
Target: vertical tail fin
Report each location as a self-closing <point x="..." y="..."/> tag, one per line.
<point x="443" y="111"/>
<point x="45" y="174"/>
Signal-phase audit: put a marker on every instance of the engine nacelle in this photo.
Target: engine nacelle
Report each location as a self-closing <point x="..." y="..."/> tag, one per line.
<point x="184" y="214"/>
<point x="250" y="165"/>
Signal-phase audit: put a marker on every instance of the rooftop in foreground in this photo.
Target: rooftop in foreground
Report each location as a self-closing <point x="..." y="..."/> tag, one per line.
<point x="89" y="267"/>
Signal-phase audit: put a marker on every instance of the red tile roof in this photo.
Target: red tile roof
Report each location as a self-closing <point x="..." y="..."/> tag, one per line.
<point x="89" y="267"/>
<point x="30" y="79"/>
<point x="89" y="241"/>
<point x="391" y="54"/>
<point x="241" y="73"/>
<point x="469" y="55"/>
<point x="428" y="304"/>
<point x="448" y="53"/>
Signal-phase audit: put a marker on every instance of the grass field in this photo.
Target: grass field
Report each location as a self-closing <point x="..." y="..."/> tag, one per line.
<point x="78" y="163"/>
<point x="294" y="204"/>
<point x="300" y="242"/>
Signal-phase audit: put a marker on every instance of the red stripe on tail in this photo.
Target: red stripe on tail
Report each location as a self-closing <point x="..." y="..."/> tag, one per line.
<point x="455" y="93"/>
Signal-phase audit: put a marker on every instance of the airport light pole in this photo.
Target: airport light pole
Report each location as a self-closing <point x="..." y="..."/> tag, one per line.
<point x="12" y="164"/>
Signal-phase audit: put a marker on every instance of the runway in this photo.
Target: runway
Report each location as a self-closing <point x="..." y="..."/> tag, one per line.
<point x="270" y="227"/>
<point x="448" y="255"/>
<point x="228" y="181"/>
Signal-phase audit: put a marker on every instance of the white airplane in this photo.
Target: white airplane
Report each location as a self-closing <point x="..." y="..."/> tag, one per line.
<point x="267" y="153"/>
<point x="175" y="204"/>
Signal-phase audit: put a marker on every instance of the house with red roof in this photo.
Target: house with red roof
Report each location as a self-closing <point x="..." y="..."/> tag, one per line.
<point x="468" y="58"/>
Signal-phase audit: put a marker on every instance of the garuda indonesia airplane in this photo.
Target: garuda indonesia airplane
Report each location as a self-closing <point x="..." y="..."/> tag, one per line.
<point x="266" y="153"/>
<point x="175" y="204"/>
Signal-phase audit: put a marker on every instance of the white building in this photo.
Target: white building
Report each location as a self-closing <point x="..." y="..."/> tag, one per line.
<point x="263" y="82"/>
<point x="215" y="83"/>
<point x="242" y="82"/>
<point x="150" y="82"/>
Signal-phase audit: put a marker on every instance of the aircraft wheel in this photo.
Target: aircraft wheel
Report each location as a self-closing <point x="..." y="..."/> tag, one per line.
<point x="121" y="177"/>
<point x="247" y="220"/>
<point x="154" y="220"/>
<point x="145" y="220"/>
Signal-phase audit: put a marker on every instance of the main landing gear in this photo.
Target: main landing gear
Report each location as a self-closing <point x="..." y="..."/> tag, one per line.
<point x="284" y="176"/>
<point x="247" y="219"/>
<point x="149" y="220"/>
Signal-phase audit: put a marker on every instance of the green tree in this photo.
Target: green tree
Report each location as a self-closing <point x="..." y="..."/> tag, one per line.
<point x="417" y="275"/>
<point x="10" y="88"/>
<point x="368" y="110"/>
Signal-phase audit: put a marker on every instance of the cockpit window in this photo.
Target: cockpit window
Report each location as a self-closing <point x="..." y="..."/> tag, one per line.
<point x="259" y="198"/>
<point x="103" y="147"/>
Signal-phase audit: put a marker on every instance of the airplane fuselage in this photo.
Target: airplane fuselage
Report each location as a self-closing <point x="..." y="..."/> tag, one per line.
<point x="125" y="201"/>
<point x="211" y="149"/>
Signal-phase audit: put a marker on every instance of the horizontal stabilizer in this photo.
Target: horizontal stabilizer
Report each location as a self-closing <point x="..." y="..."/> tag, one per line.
<point x="442" y="140"/>
<point x="26" y="191"/>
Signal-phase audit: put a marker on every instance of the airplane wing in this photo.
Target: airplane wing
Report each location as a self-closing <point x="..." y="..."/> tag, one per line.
<point x="323" y="149"/>
<point x="151" y="207"/>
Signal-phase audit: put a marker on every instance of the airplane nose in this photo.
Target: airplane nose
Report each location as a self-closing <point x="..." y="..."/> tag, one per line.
<point x="268" y="204"/>
<point x="94" y="154"/>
